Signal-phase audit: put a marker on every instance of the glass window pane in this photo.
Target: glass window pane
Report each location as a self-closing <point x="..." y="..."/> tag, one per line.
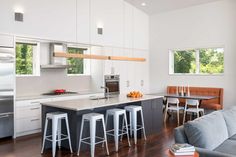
<point x="184" y="61"/>
<point x="24" y="59"/>
<point x="76" y="65"/>
<point x="212" y="60"/>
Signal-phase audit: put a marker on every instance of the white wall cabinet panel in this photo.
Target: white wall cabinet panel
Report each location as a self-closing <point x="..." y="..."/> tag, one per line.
<point x="128" y="25"/>
<point x="109" y="15"/>
<point x="83" y="21"/>
<point x="141" y="30"/>
<point x="6" y="16"/>
<point x="54" y="19"/>
<point x="141" y="70"/>
<point x="6" y="40"/>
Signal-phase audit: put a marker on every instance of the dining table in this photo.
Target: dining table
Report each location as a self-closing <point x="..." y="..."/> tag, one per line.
<point x="195" y="97"/>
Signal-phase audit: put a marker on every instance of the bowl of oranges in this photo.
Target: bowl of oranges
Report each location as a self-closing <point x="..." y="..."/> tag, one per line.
<point x="134" y="94"/>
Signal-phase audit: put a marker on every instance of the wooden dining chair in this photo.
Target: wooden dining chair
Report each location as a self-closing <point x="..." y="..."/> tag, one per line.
<point x="172" y="105"/>
<point x="192" y="106"/>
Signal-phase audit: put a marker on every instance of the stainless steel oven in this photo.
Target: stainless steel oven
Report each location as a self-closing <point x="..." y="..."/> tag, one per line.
<point x="112" y="83"/>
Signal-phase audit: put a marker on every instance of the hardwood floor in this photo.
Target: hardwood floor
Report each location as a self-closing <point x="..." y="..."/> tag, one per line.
<point x="155" y="146"/>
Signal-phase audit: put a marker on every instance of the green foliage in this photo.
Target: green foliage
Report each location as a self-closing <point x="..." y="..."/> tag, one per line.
<point x="76" y="64"/>
<point x="24" y="59"/>
<point x="211" y="61"/>
<point x="184" y="61"/>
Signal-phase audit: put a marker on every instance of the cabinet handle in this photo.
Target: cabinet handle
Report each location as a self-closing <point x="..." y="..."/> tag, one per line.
<point x="32" y="120"/>
<point x="35" y="102"/>
<point x="36" y="108"/>
<point x="6" y="116"/>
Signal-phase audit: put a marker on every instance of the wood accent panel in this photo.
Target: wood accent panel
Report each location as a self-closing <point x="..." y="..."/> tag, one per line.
<point x="100" y="57"/>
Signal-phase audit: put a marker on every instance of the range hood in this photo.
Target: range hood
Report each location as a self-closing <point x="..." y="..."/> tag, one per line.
<point x="56" y="62"/>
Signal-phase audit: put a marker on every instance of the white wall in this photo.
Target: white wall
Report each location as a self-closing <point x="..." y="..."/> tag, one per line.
<point x="207" y="25"/>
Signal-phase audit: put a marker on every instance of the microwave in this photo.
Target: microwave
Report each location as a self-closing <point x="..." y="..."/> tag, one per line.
<point x="112" y="82"/>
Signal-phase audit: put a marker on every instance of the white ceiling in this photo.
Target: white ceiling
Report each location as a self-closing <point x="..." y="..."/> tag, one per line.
<point x="158" y="6"/>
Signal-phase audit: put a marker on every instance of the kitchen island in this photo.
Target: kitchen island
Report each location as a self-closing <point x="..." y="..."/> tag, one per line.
<point x="151" y="104"/>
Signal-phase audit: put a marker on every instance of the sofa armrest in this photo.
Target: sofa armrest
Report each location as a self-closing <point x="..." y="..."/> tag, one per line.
<point x="209" y="153"/>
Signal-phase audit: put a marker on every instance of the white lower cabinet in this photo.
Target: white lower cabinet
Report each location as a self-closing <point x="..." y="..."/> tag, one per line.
<point x="28" y="113"/>
<point x="28" y="117"/>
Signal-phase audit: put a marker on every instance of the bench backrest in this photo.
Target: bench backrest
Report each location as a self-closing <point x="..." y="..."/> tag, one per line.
<point x="216" y="103"/>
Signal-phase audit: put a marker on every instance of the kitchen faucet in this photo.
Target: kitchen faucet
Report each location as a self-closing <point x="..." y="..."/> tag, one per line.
<point x="106" y="94"/>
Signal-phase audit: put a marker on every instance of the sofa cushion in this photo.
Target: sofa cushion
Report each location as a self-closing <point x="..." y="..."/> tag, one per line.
<point x="179" y="135"/>
<point x="233" y="137"/>
<point x="230" y="119"/>
<point x="228" y="147"/>
<point x="208" y="131"/>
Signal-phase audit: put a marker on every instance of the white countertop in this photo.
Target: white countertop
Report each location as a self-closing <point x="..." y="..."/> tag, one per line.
<point x="88" y="104"/>
<point x="32" y="97"/>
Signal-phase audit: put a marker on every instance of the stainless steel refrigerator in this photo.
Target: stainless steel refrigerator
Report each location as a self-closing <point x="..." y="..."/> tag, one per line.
<point x="7" y="58"/>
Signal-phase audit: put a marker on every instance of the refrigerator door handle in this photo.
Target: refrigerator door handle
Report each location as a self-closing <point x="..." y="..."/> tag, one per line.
<point x="5" y="116"/>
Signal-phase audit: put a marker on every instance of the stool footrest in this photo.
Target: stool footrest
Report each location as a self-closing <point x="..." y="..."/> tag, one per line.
<point x="99" y="139"/>
<point x="63" y="137"/>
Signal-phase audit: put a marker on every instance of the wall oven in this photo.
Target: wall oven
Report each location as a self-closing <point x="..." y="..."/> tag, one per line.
<point x="112" y="82"/>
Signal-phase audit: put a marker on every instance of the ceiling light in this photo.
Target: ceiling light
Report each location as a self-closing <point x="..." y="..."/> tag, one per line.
<point x="143" y="4"/>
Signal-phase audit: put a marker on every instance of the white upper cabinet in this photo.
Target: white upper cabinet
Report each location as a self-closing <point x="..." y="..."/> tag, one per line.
<point x="50" y="19"/>
<point x="128" y="25"/>
<point x="83" y="21"/>
<point x="141" y="30"/>
<point x="107" y="14"/>
<point x="6" y="40"/>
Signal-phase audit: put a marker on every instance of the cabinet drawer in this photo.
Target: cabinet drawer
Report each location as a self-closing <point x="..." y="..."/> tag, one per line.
<point x="28" y="111"/>
<point x="28" y="124"/>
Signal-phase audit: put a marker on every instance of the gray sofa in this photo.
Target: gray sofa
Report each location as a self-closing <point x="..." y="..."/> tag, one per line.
<point x="213" y="135"/>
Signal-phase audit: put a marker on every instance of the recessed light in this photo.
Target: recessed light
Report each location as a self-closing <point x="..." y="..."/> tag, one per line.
<point x="143" y="4"/>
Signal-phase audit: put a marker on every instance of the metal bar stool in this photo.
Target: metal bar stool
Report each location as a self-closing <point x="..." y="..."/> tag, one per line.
<point x="92" y="118"/>
<point x="56" y="136"/>
<point x="134" y="127"/>
<point x="116" y="113"/>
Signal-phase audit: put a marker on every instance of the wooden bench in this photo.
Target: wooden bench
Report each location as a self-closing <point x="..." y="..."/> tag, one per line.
<point x="213" y="104"/>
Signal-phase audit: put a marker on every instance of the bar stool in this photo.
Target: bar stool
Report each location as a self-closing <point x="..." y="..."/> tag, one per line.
<point x="133" y="110"/>
<point x="116" y="113"/>
<point x="92" y="118"/>
<point x="56" y="136"/>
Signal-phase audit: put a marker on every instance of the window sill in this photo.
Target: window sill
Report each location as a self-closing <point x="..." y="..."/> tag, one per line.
<point x="74" y="75"/>
<point x="27" y="75"/>
<point x="185" y="74"/>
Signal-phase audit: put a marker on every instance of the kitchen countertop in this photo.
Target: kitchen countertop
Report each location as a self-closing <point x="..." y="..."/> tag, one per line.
<point x="88" y="104"/>
<point x="32" y="97"/>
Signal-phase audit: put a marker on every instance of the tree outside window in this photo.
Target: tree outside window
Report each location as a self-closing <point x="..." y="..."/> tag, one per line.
<point x="26" y="58"/>
<point x="76" y="65"/>
<point x="197" y="61"/>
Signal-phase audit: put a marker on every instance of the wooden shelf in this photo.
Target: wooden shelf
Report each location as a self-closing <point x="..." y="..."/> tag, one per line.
<point x="100" y="57"/>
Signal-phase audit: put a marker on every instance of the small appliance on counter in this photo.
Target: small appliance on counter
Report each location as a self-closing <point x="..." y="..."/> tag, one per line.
<point x="112" y="84"/>
<point x="59" y="92"/>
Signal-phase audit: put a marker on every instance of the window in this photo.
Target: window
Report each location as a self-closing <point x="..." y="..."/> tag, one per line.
<point x="27" y="60"/>
<point x="77" y="66"/>
<point x="197" y="61"/>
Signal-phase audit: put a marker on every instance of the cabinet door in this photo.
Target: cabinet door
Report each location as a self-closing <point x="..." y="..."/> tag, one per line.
<point x="54" y="19"/>
<point x="107" y="14"/>
<point x="128" y="25"/>
<point x="141" y="72"/>
<point x="6" y="41"/>
<point x="83" y="21"/>
<point x="147" y="114"/>
<point x="157" y="115"/>
<point x="141" y="30"/>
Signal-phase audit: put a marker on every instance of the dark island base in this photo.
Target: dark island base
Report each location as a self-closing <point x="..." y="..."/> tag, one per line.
<point x="153" y="118"/>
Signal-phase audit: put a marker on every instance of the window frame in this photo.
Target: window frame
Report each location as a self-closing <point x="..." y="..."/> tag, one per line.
<point x="86" y="62"/>
<point x="36" y="59"/>
<point x="197" y="53"/>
